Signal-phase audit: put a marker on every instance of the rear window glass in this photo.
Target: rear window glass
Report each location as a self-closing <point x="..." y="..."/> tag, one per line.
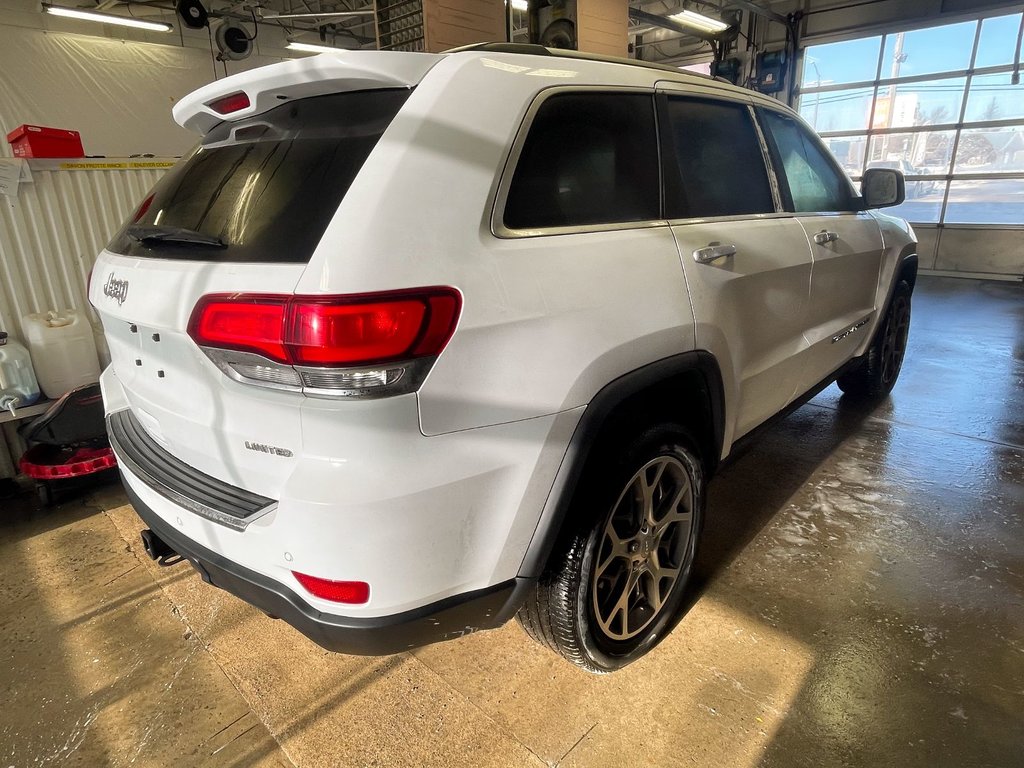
<point x="262" y="189"/>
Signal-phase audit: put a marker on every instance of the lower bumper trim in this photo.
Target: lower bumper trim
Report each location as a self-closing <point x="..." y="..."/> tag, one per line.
<point x="446" y="619"/>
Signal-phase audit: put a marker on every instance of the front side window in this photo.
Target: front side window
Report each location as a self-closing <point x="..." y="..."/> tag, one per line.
<point x="589" y="159"/>
<point x="719" y="159"/>
<point x="814" y="182"/>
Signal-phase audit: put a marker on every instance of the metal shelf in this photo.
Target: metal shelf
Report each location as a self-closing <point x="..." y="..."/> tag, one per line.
<point x="24" y="413"/>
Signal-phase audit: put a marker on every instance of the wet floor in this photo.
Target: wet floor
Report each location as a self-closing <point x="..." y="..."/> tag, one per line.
<point x="860" y="602"/>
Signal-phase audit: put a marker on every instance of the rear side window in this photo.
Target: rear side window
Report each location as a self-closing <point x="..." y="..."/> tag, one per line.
<point x="814" y="181"/>
<point x="589" y="158"/>
<point x="719" y="159"/>
<point x="262" y="189"/>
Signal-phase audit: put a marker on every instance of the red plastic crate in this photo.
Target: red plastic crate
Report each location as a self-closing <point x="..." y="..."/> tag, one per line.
<point x="37" y="141"/>
<point x="47" y="462"/>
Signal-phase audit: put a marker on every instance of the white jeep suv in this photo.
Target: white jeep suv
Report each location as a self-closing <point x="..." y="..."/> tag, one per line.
<point x="411" y="344"/>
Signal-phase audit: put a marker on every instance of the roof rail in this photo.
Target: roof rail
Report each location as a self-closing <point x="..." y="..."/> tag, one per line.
<point x="533" y="49"/>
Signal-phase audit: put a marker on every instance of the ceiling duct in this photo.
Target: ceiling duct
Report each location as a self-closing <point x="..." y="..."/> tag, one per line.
<point x="233" y="42"/>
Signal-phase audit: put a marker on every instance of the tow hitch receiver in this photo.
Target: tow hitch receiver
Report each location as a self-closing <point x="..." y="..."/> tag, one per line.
<point x="158" y="550"/>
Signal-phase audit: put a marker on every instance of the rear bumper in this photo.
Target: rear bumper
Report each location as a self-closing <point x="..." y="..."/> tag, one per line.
<point x="446" y="619"/>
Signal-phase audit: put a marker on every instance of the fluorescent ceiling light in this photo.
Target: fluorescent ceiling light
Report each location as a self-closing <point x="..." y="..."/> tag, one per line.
<point x="108" y="18"/>
<point x="699" y="21"/>
<point x="518" y="5"/>
<point x="310" y="48"/>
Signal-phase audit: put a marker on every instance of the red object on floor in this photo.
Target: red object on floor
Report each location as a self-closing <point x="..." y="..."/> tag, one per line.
<point x="43" y="462"/>
<point x="37" y="141"/>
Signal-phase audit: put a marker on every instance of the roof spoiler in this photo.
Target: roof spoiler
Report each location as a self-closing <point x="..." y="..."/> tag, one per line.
<point x="266" y="87"/>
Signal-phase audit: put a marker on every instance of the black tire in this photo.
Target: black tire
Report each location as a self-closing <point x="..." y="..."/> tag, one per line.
<point x="603" y="624"/>
<point x="877" y="373"/>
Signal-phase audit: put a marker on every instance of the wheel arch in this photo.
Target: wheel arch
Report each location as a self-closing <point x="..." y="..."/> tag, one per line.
<point x="906" y="268"/>
<point x="685" y="389"/>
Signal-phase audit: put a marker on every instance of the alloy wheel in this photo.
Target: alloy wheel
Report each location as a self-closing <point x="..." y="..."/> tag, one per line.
<point x="643" y="548"/>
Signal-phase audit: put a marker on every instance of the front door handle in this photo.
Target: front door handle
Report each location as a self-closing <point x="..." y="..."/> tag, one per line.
<point x="713" y="252"/>
<point x="825" y="236"/>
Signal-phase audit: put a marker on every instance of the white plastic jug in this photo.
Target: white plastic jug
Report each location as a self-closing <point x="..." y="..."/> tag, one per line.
<point x="63" y="350"/>
<point x="18" y="386"/>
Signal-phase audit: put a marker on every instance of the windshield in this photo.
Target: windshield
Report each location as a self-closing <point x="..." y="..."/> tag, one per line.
<point x="261" y="189"/>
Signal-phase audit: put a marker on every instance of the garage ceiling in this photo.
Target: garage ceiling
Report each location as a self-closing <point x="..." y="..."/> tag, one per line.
<point x="357" y="30"/>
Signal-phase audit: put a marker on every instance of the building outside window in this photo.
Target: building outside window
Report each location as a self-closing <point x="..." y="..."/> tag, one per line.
<point x="937" y="103"/>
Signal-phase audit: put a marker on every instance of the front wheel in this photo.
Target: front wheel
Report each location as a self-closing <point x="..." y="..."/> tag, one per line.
<point x="615" y="588"/>
<point x="877" y="373"/>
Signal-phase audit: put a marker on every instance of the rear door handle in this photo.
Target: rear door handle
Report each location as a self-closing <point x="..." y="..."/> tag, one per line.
<point x="713" y="252"/>
<point x="825" y="236"/>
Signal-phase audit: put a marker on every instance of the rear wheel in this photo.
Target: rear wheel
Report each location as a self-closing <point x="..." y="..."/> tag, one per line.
<point x="613" y="591"/>
<point x="877" y="373"/>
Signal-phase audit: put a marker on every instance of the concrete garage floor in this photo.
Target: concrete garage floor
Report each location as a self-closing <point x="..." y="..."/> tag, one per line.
<point x="861" y="603"/>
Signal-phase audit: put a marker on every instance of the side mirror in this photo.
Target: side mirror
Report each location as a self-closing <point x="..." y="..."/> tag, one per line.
<point x="883" y="187"/>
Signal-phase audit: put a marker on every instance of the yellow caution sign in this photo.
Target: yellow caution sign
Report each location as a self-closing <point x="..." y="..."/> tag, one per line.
<point x="115" y="166"/>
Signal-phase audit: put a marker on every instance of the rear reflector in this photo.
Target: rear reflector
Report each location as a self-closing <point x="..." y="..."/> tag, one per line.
<point x="231" y="103"/>
<point x="352" y="592"/>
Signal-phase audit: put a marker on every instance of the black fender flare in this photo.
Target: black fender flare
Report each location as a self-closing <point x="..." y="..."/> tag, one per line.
<point x="601" y="406"/>
<point x="906" y="268"/>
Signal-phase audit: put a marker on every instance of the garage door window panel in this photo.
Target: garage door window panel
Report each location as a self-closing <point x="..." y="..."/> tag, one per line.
<point x="994" y="97"/>
<point x="838" y="110"/>
<point x="929" y="51"/>
<point x="717" y="159"/>
<point x="850" y="61"/>
<point x="945" y="110"/>
<point x="589" y="159"/>
<point x="998" y="41"/>
<point x="932" y="102"/>
<point x="988" y="201"/>
<point x="917" y="153"/>
<point x="991" y="150"/>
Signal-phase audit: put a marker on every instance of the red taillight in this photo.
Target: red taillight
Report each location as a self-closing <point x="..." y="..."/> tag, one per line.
<point x="240" y="323"/>
<point x="231" y="103"/>
<point x="353" y="592"/>
<point x="326" y="333"/>
<point x="341" y="331"/>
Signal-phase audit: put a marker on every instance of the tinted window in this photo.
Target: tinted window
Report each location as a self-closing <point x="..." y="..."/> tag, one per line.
<point x="266" y="186"/>
<point x="588" y="159"/>
<point x="721" y="165"/>
<point x="814" y="182"/>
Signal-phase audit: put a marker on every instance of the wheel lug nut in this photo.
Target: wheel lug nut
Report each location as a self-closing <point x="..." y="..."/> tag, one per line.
<point x="634" y="547"/>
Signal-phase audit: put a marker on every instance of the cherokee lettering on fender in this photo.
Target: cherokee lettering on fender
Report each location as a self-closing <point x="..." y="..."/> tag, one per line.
<point x="116" y="289"/>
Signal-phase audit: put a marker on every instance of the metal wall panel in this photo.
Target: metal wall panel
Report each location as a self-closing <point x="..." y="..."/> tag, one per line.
<point x="51" y="232"/>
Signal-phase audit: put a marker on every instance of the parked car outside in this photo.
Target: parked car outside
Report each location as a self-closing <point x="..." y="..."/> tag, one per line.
<point x="916" y="187"/>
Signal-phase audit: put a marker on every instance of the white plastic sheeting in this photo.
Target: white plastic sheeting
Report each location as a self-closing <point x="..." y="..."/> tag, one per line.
<point x="50" y="234"/>
<point x="51" y="231"/>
